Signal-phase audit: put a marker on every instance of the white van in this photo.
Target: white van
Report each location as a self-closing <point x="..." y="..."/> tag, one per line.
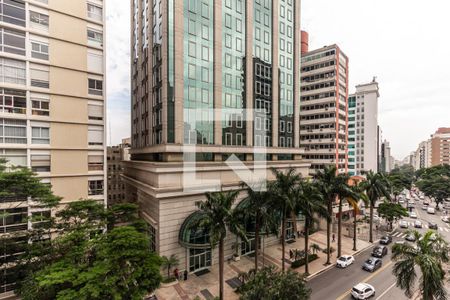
<point x="431" y="210"/>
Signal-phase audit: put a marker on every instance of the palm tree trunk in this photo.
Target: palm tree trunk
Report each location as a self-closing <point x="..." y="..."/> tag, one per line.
<point x="221" y="258"/>
<point x="330" y="213"/>
<point x="339" y="229"/>
<point x="283" y="240"/>
<point x="371" y="223"/>
<point x="354" y="230"/>
<point x="256" y="242"/>
<point x="294" y="220"/>
<point x="307" y="247"/>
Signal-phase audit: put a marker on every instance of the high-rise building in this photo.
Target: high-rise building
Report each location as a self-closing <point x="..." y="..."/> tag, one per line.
<point x="115" y="156"/>
<point x="440" y="147"/>
<point x="363" y="135"/>
<point x="52" y="102"/>
<point x="209" y="79"/>
<point x="386" y="158"/>
<point x="323" y="114"/>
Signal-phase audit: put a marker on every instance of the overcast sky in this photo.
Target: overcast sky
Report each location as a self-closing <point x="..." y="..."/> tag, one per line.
<point x="405" y="43"/>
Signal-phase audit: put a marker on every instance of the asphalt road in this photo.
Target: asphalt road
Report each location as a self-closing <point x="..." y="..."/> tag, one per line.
<point x="337" y="283"/>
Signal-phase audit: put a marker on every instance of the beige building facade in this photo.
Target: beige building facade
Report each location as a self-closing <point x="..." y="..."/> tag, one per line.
<point x="211" y="80"/>
<point x="52" y="102"/>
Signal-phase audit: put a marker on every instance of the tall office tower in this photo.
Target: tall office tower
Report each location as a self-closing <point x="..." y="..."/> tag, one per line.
<point x="363" y="128"/>
<point x="386" y="158"/>
<point x="52" y="102"/>
<point x="440" y="147"/>
<point x="199" y="67"/>
<point x="323" y="114"/>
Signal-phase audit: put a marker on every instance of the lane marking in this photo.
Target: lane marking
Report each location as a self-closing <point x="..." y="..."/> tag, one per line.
<point x="387" y="290"/>
<point x="366" y="279"/>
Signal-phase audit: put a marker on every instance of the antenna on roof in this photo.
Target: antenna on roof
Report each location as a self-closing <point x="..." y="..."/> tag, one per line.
<point x="374" y="79"/>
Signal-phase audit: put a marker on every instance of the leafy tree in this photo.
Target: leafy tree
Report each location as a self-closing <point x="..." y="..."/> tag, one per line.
<point x="283" y="191"/>
<point x="169" y="263"/>
<point x="376" y="186"/>
<point x="259" y="210"/>
<point x="435" y="183"/>
<point x="268" y="284"/>
<point x="311" y="204"/>
<point x="429" y="253"/>
<point x="353" y="200"/>
<point x="332" y="187"/>
<point x="218" y="216"/>
<point x="392" y="212"/>
<point x="401" y="178"/>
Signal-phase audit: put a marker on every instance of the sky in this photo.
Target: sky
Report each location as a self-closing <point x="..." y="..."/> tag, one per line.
<point x="404" y="43"/>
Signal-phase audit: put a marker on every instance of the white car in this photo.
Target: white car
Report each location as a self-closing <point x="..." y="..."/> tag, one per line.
<point x="418" y="224"/>
<point x="422" y="197"/>
<point x="425" y="207"/>
<point x="431" y="210"/>
<point x="413" y="215"/>
<point x="344" y="261"/>
<point x="403" y="224"/>
<point x="363" y="291"/>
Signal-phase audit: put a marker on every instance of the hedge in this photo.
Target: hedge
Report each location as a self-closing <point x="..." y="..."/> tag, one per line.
<point x="300" y="262"/>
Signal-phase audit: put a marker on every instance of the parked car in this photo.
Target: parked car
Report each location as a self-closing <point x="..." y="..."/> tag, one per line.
<point x="445" y="219"/>
<point x="413" y="215"/>
<point x="418" y="224"/>
<point x="363" y="291"/>
<point x="432" y="225"/>
<point x="386" y="240"/>
<point x="403" y="224"/>
<point x="379" y="251"/>
<point x="431" y="210"/>
<point x="344" y="261"/>
<point x="410" y="238"/>
<point x="372" y="264"/>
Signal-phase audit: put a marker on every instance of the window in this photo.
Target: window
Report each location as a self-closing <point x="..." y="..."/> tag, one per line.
<point x="38" y="20"/>
<point x="13" y="12"/>
<point x="95" y="12"/>
<point x="95" y="135"/>
<point x="95" y="62"/>
<point x="13" y="131"/>
<point x="39" y="50"/>
<point x="12" y="71"/>
<point x="40" y="135"/>
<point x="95" y="37"/>
<point x="14" y="157"/>
<point x="40" y="106"/>
<point x="95" y="162"/>
<point x="95" y="187"/>
<point x="12" y="41"/>
<point x="13" y="101"/>
<point x="192" y="49"/>
<point x="95" y="87"/>
<point x="40" y="77"/>
<point x="40" y="162"/>
<point x="14" y="219"/>
<point x="95" y="112"/>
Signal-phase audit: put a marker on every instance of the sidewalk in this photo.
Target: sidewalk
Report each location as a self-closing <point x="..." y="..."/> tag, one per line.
<point x="206" y="286"/>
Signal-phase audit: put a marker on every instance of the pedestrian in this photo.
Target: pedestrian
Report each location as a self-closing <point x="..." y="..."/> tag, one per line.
<point x="334" y="237"/>
<point x="185" y="275"/>
<point x="176" y="274"/>
<point x="291" y="254"/>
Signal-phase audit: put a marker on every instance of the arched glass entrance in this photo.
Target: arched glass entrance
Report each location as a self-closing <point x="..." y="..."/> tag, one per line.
<point x="196" y="240"/>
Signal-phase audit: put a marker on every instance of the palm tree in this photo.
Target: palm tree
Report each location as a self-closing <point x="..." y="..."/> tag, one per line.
<point x="430" y="251"/>
<point x="169" y="263"/>
<point x="332" y="187"/>
<point x="282" y="190"/>
<point x="218" y="217"/>
<point x="311" y="204"/>
<point x="358" y="194"/>
<point x="258" y="209"/>
<point x="376" y="186"/>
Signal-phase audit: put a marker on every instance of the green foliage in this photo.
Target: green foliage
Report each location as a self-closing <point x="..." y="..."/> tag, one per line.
<point x="331" y="250"/>
<point x="86" y="262"/>
<point x="429" y="254"/>
<point x="268" y="284"/>
<point x="169" y="263"/>
<point x="392" y="211"/>
<point x="401" y="178"/>
<point x="300" y="262"/>
<point x="435" y="182"/>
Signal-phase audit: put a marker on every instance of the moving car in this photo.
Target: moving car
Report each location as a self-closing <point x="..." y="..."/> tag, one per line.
<point x="372" y="264"/>
<point x="422" y="197"/>
<point x="418" y="224"/>
<point x="411" y="203"/>
<point x="410" y="237"/>
<point x="379" y="251"/>
<point x="431" y="210"/>
<point x="426" y="203"/>
<point x="386" y="240"/>
<point x="403" y="224"/>
<point x="413" y="215"/>
<point x="425" y="207"/>
<point x="363" y="291"/>
<point x="344" y="261"/>
<point x="432" y="225"/>
<point x="445" y="219"/>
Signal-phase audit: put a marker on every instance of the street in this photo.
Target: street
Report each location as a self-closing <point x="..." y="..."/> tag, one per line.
<point x="337" y="283"/>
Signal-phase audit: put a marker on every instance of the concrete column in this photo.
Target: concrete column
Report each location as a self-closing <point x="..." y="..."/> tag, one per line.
<point x="178" y="21"/>
<point x="164" y="71"/>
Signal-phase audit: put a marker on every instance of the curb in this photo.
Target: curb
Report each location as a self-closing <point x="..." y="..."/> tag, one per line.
<point x="334" y="265"/>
